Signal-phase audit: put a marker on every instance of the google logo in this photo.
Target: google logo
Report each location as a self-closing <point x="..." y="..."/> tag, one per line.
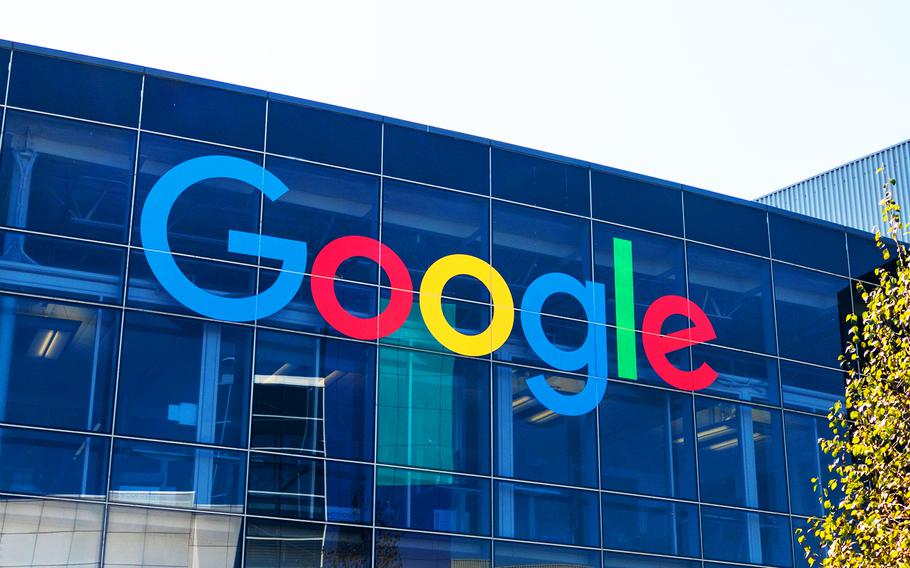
<point x="591" y="355"/>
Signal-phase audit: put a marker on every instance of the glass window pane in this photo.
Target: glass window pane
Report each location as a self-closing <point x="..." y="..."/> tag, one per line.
<point x="202" y="395"/>
<point x="806" y="461"/>
<point x="322" y="205"/>
<point x="65" y="177"/>
<point x="740" y="455"/>
<point x="416" y="550"/>
<point x="466" y="317"/>
<point x="61" y="86"/>
<point x="434" y="411"/>
<point x="726" y="223"/>
<point x="650" y="525"/>
<point x="271" y="544"/>
<point x="37" y="462"/>
<point x="57" y="364"/>
<point x="540" y="181"/>
<point x="524" y="426"/>
<point x="432" y="501"/>
<point x="422" y="225"/>
<point x="436" y="159"/>
<point x="4" y="71"/>
<point x="512" y="554"/>
<point x="811" y="309"/>
<point x="743" y="536"/>
<point x="645" y="373"/>
<point x="202" y="216"/>
<point x="324" y="136"/>
<point x="46" y="533"/>
<point x="809" y="244"/>
<point x="743" y="376"/>
<point x="313" y="396"/>
<point x="204" y="113"/>
<point x="176" y="539"/>
<point x="637" y="202"/>
<point x="528" y="243"/>
<point x="620" y="560"/>
<point x="813" y="389"/>
<point x="546" y="514"/>
<point x="308" y="489"/>
<point x="734" y="290"/>
<point x="647" y="441"/>
<point x="865" y="256"/>
<point x="174" y="475"/>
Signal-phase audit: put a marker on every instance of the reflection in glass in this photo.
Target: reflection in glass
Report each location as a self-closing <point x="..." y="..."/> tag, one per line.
<point x="745" y="536"/>
<point x="650" y="525"/>
<point x="806" y="461"/>
<point x="287" y="544"/>
<point x="539" y="181"/>
<point x="743" y="376"/>
<point x="620" y="560"/>
<point x="546" y="514"/>
<point x="437" y="159"/>
<point x="813" y="389"/>
<point x="43" y="533"/>
<point x="416" y="550"/>
<point x="514" y="554"/>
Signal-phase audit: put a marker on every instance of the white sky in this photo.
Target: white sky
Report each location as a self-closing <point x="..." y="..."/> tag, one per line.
<point x="737" y="97"/>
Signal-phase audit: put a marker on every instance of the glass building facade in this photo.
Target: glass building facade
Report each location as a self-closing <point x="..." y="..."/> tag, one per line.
<point x="135" y="432"/>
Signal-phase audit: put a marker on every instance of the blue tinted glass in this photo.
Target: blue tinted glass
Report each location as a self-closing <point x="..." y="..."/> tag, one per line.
<point x="734" y="290"/>
<point x="647" y="441"/>
<point x="436" y="159"/>
<point x="523" y="426"/>
<point x="4" y="71"/>
<point x="724" y="223"/>
<point x="78" y="89"/>
<point x="52" y="463"/>
<point x="865" y="256"/>
<point x="271" y="544"/>
<point x="512" y="554"/>
<point x="638" y="203"/>
<point x="806" y="461"/>
<point x="658" y="267"/>
<point x="61" y="267"/>
<point x="324" y="136"/>
<point x="313" y="396"/>
<point x="322" y="205"/>
<point x="434" y="411"/>
<point x="539" y="181"/>
<point x="204" y="113"/>
<point x="620" y="560"/>
<point x="416" y="550"/>
<point x="59" y="363"/>
<point x="811" y="388"/>
<point x="528" y="243"/>
<point x="180" y="476"/>
<point x="743" y="536"/>
<point x="201" y="393"/>
<point x="565" y="333"/>
<point x="811" y="310"/>
<point x="808" y="244"/>
<point x="546" y="514"/>
<point x="65" y="177"/>
<point x="432" y="501"/>
<point x="743" y="376"/>
<point x="740" y="455"/>
<point x="308" y="489"/>
<point x="799" y="549"/>
<point x="422" y="225"/>
<point x="202" y="216"/>
<point x="650" y="525"/>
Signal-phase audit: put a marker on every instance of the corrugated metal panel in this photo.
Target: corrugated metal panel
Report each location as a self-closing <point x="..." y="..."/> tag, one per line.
<point x="850" y="194"/>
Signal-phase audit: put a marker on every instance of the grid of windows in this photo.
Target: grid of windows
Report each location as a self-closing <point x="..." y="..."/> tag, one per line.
<point x="158" y="437"/>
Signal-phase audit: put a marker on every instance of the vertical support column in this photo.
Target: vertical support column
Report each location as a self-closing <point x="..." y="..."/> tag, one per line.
<point x="207" y="409"/>
<point x="750" y="481"/>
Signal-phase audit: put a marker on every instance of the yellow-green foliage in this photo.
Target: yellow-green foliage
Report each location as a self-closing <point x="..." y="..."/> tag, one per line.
<point x="866" y="520"/>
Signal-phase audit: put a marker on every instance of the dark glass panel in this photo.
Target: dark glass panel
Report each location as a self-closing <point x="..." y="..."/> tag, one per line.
<point x="4" y="71"/>
<point x="806" y="461"/>
<point x="734" y="290"/>
<point x="416" y="550"/>
<point x="37" y="462"/>
<point x="313" y="396"/>
<point x="740" y="455"/>
<point x="309" y="489"/>
<point x="203" y="112"/>
<point x="539" y="181"/>
<point x="809" y="244"/>
<point x="174" y="475"/>
<point x="324" y="136"/>
<point x="65" y="177"/>
<point x="865" y="256"/>
<point x="812" y="389"/>
<point x="647" y="441"/>
<point x="620" y="560"/>
<point x="271" y="544"/>
<point x="61" y="86"/>
<point x="432" y="501"/>
<point x="743" y="376"/>
<point x="546" y="514"/>
<point x="744" y="536"/>
<point x="513" y="554"/>
<point x="523" y="426"/>
<point x="436" y="159"/>
<point x="57" y="364"/>
<point x="725" y="223"/>
<point x="184" y="379"/>
<point x="811" y="310"/>
<point x="434" y="411"/>
<point x="61" y="267"/>
<point x="651" y="205"/>
<point x="650" y="525"/>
